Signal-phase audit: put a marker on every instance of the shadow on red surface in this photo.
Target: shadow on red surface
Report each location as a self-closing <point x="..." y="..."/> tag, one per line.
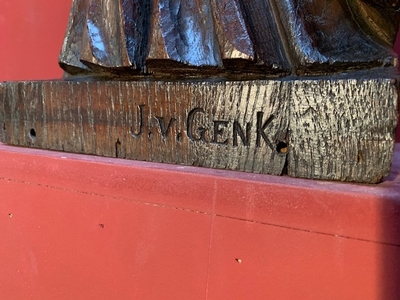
<point x="390" y="230"/>
<point x="78" y="227"/>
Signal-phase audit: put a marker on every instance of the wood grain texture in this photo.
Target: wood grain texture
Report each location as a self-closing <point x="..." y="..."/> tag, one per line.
<point x="378" y="18"/>
<point x="2" y="114"/>
<point x="70" y="54"/>
<point x="227" y="125"/>
<point x="324" y="37"/>
<point x="265" y="38"/>
<point x="103" y="42"/>
<point x="343" y="129"/>
<point x="338" y="128"/>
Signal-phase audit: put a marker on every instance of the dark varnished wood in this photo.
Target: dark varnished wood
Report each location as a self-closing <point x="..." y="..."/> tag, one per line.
<point x="336" y="128"/>
<point x="378" y="18"/>
<point x="70" y="57"/>
<point x="103" y="43"/>
<point x="265" y="37"/>
<point x="306" y="88"/>
<point x="324" y="37"/>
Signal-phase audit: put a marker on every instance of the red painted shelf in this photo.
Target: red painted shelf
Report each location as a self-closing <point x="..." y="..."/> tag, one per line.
<point x="86" y="227"/>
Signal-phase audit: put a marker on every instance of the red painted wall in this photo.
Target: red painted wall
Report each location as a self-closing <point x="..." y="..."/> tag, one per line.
<point x="83" y="227"/>
<point x="31" y="35"/>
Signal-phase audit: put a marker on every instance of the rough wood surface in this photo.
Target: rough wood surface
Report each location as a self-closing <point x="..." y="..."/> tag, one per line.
<point x="327" y="128"/>
<point x="342" y="129"/>
<point x="228" y="125"/>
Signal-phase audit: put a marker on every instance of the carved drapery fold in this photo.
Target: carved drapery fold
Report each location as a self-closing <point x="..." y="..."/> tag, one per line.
<point x="229" y="36"/>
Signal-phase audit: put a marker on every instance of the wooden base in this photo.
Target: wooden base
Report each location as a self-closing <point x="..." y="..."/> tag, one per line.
<point x="336" y="128"/>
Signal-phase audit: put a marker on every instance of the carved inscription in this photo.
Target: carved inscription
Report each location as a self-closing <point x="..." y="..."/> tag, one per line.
<point x="329" y="128"/>
<point x="227" y="125"/>
<point x="217" y="132"/>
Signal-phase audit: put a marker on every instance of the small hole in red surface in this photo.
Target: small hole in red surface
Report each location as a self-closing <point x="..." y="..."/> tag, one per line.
<point x="101" y="226"/>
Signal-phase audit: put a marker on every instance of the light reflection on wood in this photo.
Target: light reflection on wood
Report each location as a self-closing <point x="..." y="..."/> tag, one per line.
<point x="200" y="37"/>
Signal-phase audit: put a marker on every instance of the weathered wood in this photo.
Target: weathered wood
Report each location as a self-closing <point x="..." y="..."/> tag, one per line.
<point x="2" y="114"/>
<point x="228" y="125"/>
<point x="209" y="37"/>
<point x="342" y="129"/>
<point x="339" y="128"/>
<point x="214" y="83"/>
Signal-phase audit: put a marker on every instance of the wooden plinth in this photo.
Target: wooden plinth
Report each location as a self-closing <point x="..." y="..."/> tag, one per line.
<point x="85" y="227"/>
<point x="337" y="128"/>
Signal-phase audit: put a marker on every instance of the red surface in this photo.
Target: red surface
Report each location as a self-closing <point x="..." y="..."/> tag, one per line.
<point x="84" y="227"/>
<point x="31" y="35"/>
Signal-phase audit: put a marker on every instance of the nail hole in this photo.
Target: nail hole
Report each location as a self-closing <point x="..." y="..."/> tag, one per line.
<point x="32" y="134"/>
<point x="282" y="148"/>
<point x="238" y="260"/>
<point x="101" y="226"/>
<point x="10" y="215"/>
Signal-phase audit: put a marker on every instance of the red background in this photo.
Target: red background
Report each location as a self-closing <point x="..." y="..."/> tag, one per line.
<point x="84" y="227"/>
<point x="31" y="35"/>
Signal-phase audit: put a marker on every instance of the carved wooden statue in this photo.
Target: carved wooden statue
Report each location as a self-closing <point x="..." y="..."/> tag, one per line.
<point x="307" y="88"/>
<point x="277" y="37"/>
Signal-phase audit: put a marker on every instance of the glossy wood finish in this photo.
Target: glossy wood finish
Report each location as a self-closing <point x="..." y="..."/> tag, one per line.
<point x="377" y="17"/>
<point x="217" y="37"/>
